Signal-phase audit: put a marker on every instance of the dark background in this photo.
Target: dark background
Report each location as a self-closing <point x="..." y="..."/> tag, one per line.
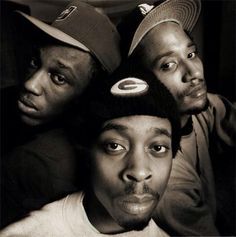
<point x="214" y="34"/>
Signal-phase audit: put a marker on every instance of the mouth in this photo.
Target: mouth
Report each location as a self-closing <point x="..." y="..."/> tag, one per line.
<point x="137" y="204"/>
<point x="26" y="105"/>
<point x="197" y="92"/>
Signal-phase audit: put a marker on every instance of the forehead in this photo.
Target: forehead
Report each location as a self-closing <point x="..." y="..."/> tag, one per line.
<point x="167" y="37"/>
<point x="139" y="126"/>
<point x="164" y="28"/>
<point x="69" y="55"/>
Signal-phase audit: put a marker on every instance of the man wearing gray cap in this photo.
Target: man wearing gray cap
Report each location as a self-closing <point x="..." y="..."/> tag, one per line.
<point x="156" y="37"/>
<point x="75" y="50"/>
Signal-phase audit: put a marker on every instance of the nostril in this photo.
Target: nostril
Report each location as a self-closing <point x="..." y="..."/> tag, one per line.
<point x="148" y="177"/>
<point x="130" y="177"/>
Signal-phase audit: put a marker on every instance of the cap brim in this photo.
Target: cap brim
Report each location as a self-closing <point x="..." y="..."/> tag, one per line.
<point x="184" y="12"/>
<point x="54" y="32"/>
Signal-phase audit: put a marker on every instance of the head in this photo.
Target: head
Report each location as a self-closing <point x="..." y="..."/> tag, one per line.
<point x="133" y="135"/>
<point x="161" y="44"/>
<point x="66" y="59"/>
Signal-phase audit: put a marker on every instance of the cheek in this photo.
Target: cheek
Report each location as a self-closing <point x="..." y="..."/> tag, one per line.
<point x="162" y="174"/>
<point x="58" y="99"/>
<point x="172" y="82"/>
<point x="104" y="173"/>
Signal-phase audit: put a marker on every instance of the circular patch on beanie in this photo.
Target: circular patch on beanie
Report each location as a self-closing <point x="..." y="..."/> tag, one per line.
<point x="129" y="87"/>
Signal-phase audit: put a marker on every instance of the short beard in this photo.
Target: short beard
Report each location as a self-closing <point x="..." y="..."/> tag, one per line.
<point x="135" y="225"/>
<point x="197" y="110"/>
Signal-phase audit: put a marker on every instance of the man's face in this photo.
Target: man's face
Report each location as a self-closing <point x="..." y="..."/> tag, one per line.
<point x="131" y="163"/>
<point x="172" y="56"/>
<point x="57" y="75"/>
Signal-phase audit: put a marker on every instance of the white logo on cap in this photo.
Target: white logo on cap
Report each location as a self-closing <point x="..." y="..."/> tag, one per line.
<point x="145" y="8"/>
<point x="129" y="87"/>
<point x="66" y="13"/>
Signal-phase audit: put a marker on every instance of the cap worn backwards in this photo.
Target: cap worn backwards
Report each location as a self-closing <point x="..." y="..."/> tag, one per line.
<point x="145" y="17"/>
<point x="82" y="26"/>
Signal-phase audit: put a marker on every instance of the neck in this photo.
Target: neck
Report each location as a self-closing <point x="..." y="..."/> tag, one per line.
<point x="184" y="119"/>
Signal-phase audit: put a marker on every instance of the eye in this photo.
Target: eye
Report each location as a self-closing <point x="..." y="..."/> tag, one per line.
<point x="168" y="66"/>
<point x="158" y="150"/>
<point x="34" y="63"/>
<point x="58" y="79"/>
<point x="113" y="148"/>
<point x="193" y="54"/>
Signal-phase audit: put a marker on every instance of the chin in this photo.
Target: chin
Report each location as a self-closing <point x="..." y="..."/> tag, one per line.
<point x="31" y="121"/>
<point x="198" y="108"/>
<point x="134" y="223"/>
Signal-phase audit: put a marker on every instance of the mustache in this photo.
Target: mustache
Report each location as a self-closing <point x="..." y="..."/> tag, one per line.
<point x="201" y="83"/>
<point x="134" y="188"/>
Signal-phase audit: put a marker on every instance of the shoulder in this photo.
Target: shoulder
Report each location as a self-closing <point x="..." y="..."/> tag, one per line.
<point x="43" y="222"/>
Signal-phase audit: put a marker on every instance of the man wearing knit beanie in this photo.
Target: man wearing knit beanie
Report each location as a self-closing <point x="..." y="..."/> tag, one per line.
<point x="133" y="132"/>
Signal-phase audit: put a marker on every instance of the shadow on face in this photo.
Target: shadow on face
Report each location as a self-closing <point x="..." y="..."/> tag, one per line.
<point x="173" y="57"/>
<point x="130" y="165"/>
<point x="57" y="76"/>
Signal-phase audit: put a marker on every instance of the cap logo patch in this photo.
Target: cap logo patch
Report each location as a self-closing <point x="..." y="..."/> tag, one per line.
<point x="145" y="8"/>
<point x="66" y="13"/>
<point x="129" y="87"/>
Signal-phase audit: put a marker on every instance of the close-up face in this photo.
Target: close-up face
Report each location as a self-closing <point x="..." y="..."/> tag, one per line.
<point x="130" y="166"/>
<point x="57" y="75"/>
<point x="169" y="52"/>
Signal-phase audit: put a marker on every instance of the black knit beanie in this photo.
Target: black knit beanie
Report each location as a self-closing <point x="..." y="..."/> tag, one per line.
<point x="129" y="92"/>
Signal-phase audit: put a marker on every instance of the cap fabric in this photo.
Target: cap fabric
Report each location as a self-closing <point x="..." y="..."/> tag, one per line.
<point x="183" y="12"/>
<point x="131" y="93"/>
<point x="82" y="26"/>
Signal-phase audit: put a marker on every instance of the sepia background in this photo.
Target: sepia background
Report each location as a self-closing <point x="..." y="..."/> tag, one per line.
<point x="214" y="33"/>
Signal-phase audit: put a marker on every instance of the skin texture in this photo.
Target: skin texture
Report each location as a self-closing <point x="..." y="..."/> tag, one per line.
<point x="57" y="75"/>
<point x="130" y="166"/>
<point x="169" y="52"/>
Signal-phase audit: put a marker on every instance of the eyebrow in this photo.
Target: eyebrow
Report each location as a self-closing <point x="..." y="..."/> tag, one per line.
<point x="166" y="54"/>
<point x="161" y="56"/>
<point x="114" y="126"/>
<point x="161" y="131"/>
<point x="122" y="128"/>
<point x="63" y="66"/>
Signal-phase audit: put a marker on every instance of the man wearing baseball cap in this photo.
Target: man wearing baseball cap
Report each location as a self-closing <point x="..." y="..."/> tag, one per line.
<point x="75" y="50"/>
<point x="156" y="36"/>
<point x="133" y="132"/>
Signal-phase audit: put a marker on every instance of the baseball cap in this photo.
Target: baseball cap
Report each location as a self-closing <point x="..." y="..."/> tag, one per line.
<point x="145" y="17"/>
<point x="82" y="26"/>
<point x="130" y="92"/>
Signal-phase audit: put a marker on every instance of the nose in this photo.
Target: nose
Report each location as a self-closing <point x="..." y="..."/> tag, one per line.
<point x="34" y="83"/>
<point x="137" y="168"/>
<point x="192" y="72"/>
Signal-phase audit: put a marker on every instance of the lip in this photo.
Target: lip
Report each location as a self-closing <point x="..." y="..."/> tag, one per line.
<point x="137" y="204"/>
<point x="197" y="92"/>
<point x="26" y="105"/>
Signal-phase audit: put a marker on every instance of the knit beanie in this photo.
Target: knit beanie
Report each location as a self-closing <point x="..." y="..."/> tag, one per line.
<point x="129" y="92"/>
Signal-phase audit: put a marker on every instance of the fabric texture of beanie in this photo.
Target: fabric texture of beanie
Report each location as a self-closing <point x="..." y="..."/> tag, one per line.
<point x="128" y="93"/>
